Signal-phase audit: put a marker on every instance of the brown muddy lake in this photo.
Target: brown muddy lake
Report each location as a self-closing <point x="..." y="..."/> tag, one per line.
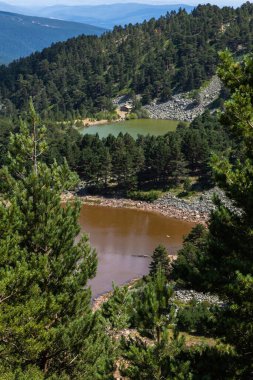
<point x="125" y="239"/>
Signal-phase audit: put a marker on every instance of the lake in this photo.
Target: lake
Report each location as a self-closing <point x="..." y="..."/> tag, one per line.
<point x="133" y="127"/>
<point x="122" y="235"/>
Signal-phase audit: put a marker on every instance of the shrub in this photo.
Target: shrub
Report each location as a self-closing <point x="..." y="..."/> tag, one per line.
<point x="132" y="116"/>
<point x="146" y="196"/>
<point x="197" y="317"/>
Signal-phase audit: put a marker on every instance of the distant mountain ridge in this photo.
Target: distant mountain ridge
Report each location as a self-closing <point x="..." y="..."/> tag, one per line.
<point x="5" y="7"/>
<point x="109" y="15"/>
<point x="156" y="59"/>
<point x="106" y="16"/>
<point x="22" y="35"/>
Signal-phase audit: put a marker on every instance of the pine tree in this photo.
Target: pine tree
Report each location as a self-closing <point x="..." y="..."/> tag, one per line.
<point x="236" y="252"/>
<point x="154" y="310"/>
<point x="160" y="259"/>
<point x="187" y="269"/>
<point x="162" y="357"/>
<point x="117" y="310"/>
<point x="160" y="361"/>
<point x="47" y="327"/>
<point x="224" y="260"/>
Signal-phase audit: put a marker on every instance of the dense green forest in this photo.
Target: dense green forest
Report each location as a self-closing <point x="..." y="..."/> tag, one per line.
<point x="125" y="164"/>
<point x="177" y="52"/>
<point x="48" y="329"/>
<point x="142" y="331"/>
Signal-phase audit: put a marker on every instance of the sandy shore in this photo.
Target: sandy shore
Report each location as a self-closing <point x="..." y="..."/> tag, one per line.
<point x="102" y="298"/>
<point x="91" y="122"/>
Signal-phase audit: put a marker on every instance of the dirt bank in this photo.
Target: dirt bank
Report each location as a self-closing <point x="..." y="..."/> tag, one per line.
<point x="91" y="122"/>
<point x="163" y="208"/>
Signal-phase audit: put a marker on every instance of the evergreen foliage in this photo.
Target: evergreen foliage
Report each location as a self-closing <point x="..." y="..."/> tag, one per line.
<point x="187" y="269"/>
<point x="177" y="52"/>
<point x="163" y="360"/>
<point x="150" y="161"/>
<point x="224" y="260"/>
<point x="117" y="310"/>
<point x="47" y="327"/>
<point x="154" y="313"/>
<point x="127" y="164"/>
<point x="198" y="317"/>
<point x="160" y="259"/>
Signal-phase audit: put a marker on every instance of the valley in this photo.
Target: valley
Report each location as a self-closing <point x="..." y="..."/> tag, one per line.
<point x="79" y="78"/>
<point x="126" y="192"/>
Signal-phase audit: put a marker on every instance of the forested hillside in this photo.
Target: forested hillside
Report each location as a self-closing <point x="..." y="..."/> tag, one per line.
<point x="141" y="331"/>
<point x="176" y="53"/>
<point x="124" y="164"/>
<point x="188" y="318"/>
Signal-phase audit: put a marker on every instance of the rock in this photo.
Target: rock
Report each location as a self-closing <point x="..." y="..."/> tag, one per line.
<point x="183" y="107"/>
<point x="189" y="295"/>
<point x="198" y="208"/>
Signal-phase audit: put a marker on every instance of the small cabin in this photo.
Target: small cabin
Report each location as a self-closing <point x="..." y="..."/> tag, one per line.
<point x="126" y="108"/>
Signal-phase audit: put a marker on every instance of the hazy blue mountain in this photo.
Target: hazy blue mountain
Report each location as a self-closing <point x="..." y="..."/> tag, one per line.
<point x="7" y="7"/>
<point x="22" y="35"/>
<point x="108" y="16"/>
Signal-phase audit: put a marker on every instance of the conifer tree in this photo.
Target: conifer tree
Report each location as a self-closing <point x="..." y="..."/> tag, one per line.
<point x="117" y="310"/>
<point x="47" y="328"/>
<point x="234" y="229"/>
<point x="224" y="259"/>
<point x="153" y="306"/>
<point x="162" y="357"/>
<point x="160" y="258"/>
<point x="159" y="361"/>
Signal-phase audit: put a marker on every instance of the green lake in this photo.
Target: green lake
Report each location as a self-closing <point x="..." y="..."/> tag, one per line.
<point x="133" y="127"/>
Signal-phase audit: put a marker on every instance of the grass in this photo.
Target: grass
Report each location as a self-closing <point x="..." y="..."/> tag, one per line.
<point x="193" y="93"/>
<point x="181" y="193"/>
<point x="146" y="196"/>
<point x="93" y="201"/>
<point x="196" y="340"/>
<point x="106" y="115"/>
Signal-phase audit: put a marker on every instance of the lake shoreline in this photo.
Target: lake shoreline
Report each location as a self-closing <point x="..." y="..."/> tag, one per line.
<point x="134" y="127"/>
<point x="167" y="210"/>
<point x="98" y="202"/>
<point x="88" y="122"/>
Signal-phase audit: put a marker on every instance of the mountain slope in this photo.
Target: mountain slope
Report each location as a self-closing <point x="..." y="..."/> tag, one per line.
<point x="5" y="7"/>
<point x="109" y="15"/>
<point x="22" y="35"/>
<point x="176" y="53"/>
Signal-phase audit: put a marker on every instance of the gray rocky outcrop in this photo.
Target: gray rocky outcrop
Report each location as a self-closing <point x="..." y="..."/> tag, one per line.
<point x="186" y="296"/>
<point x="198" y="207"/>
<point x="182" y="106"/>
